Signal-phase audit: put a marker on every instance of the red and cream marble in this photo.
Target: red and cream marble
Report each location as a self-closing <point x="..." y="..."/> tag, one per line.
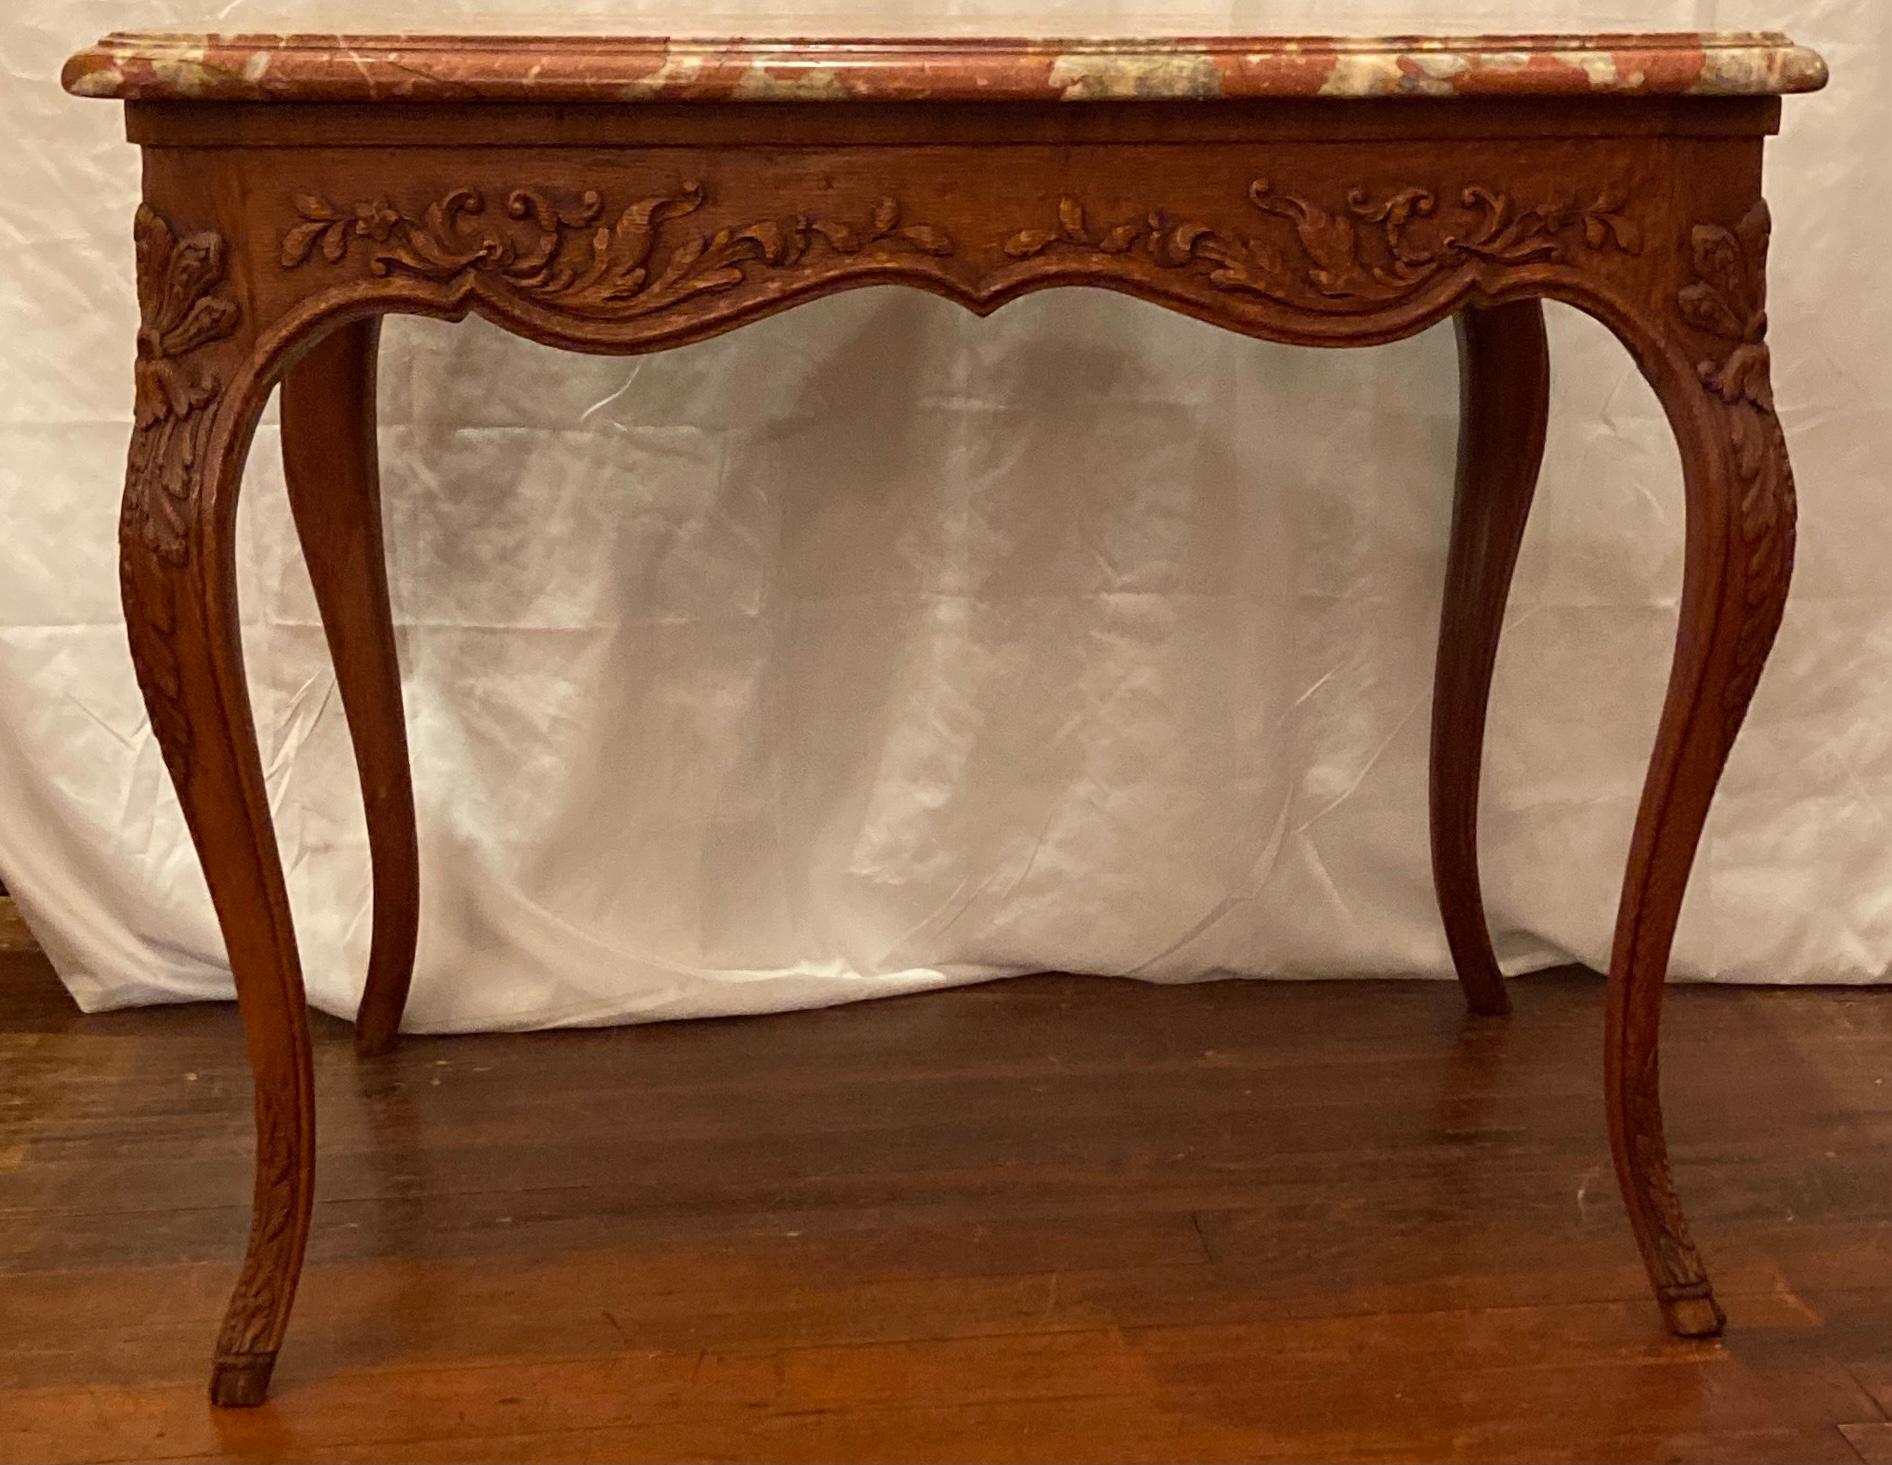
<point x="145" y="67"/>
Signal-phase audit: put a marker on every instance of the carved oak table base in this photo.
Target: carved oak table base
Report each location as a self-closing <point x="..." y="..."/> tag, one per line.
<point x="626" y="196"/>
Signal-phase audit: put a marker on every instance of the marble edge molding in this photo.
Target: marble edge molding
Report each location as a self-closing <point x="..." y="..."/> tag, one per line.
<point x="422" y="68"/>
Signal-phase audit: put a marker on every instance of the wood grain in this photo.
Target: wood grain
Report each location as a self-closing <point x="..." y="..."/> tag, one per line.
<point x="1053" y="1218"/>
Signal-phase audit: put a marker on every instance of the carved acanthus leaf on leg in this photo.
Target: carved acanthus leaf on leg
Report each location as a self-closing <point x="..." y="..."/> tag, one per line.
<point x="175" y="401"/>
<point x="1727" y="300"/>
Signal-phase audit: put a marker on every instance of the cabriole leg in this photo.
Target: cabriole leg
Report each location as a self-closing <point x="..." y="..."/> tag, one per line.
<point x="331" y="466"/>
<point x="1741" y="512"/>
<point x="1504" y="389"/>
<point x="177" y="576"/>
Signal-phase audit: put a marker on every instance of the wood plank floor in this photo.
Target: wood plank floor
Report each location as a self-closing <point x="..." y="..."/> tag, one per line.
<point x="13" y="933"/>
<point x="1041" y="1220"/>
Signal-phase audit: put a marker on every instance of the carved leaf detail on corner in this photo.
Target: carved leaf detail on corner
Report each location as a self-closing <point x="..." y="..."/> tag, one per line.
<point x="180" y="311"/>
<point x="174" y="398"/>
<point x="1370" y="251"/>
<point x="1727" y="301"/>
<point x="570" y="257"/>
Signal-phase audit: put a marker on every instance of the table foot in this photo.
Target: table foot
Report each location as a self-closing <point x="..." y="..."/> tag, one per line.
<point x="1692" y="1312"/>
<point x="241" y="1381"/>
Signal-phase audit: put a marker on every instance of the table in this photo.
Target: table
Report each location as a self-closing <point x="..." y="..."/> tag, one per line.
<point x="627" y="194"/>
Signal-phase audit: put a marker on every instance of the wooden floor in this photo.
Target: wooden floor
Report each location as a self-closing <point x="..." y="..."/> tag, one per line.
<point x="13" y="933"/>
<point x="1042" y="1220"/>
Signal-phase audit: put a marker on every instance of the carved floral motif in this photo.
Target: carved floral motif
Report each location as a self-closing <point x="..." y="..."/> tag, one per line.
<point x="568" y="256"/>
<point x="173" y="413"/>
<point x="175" y="398"/>
<point x="1374" y="251"/>
<point x="1728" y="301"/>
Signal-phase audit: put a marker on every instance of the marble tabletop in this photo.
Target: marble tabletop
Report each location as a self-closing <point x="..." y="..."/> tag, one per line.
<point x="473" y="67"/>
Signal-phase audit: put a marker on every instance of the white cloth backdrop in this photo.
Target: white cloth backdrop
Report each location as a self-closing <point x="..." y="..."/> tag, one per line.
<point x="875" y="647"/>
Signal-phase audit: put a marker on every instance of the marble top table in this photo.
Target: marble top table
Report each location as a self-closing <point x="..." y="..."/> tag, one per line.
<point x="626" y="194"/>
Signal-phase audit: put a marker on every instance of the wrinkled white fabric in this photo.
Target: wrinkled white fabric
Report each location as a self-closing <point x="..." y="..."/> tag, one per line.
<point x="876" y="647"/>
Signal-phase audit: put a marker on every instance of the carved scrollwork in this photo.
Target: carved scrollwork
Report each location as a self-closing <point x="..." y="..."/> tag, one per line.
<point x="568" y="256"/>
<point x="1727" y="300"/>
<point x="175" y="399"/>
<point x="1374" y="251"/>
